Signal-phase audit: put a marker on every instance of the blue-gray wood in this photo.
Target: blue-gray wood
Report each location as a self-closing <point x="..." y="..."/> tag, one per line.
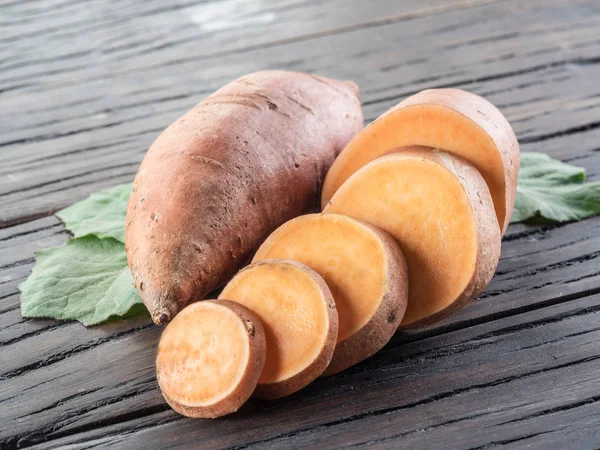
<point x="85" y="87"/>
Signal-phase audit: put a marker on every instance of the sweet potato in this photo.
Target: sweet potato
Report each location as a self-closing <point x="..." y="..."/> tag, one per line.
<point x="364" y="269"/>
<point x="452" y="120"/>
<point x="300" y="320"/>
<point x="440" y="211"/>
<point x="210" y="358"/>
<point x="217" y="181"/>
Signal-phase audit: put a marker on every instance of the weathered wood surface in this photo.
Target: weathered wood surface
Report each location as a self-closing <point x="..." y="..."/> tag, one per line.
<point x="85" y="88"/>
<point x="67" y="131"/>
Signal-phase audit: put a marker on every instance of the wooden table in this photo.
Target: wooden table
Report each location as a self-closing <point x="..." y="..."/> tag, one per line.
<point x="85" y="87"/>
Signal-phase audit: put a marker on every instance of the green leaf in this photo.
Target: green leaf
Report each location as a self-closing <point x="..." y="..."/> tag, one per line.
<point x="101" y="214"/>
<point x="87" y="279"/>
<point x="553" y="191"/>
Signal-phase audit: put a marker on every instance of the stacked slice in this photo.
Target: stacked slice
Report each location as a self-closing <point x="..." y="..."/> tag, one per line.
<point x="443" y="220"/>
<point x="458" y="122"/>
<point x="363" y="267"/>
<point x="414" y="209"/>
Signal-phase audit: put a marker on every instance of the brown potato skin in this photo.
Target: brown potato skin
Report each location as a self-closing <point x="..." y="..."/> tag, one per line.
<point x="312" y="372"/>
<point x="488" y="234"/>
<point x="218" y="180"/>
<point x="243" y="391"/>
<point x="379" y="330"/>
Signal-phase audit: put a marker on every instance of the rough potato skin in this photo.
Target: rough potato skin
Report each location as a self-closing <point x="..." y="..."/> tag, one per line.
<point x="488" y="234"/>
<point x="243" y="391"/>
<point x="379" y="330"/>
<point x="219" y="179"/>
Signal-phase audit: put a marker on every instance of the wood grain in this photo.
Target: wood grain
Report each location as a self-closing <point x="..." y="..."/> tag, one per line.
<point x="70" y="369"/>
<point x="514" y="378"/>
<point x="70" y="135"/>
<point x="86" y="87"/>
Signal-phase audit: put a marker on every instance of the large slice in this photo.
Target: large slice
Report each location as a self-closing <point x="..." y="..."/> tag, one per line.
<point x="439" y="210"/>
<point x="210" y="358"/>
<point x="300" y="320"/>
<point x="456" y="121"/>
<point x="365" y="270"/>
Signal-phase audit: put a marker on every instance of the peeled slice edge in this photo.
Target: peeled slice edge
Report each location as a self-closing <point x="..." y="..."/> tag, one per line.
<point x="454" y="120"/>
<point x="300" y="320"/>
<point x="364" y="269"/>
<point x="439" y="210"/>
<point x="210" y="357"/>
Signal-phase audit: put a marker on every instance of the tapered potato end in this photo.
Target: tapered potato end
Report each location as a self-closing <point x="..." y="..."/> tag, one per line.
<point x="299" y="317"/>
<point x="439" y="210"/>
<point x="364" y="269"/>
<point x="456" y="121"/>
<point x="219" y="179"/>
<point x="210" y="358"/>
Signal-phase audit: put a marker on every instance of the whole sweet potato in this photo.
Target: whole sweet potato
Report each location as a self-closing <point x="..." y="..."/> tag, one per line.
<point x="222" y="177"/>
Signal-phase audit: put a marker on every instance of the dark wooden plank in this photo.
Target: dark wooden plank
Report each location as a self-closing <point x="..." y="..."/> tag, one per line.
<point x="553" y="408"/>
<point x="124" y="29"/>
<point x="72" y="128"/>
<point x="86" y="378"/>
<point x="384" y="77"/>
<point x="512" y="379"/>
<point x="19" y="245"/>
<point x="541" y="105"/>
<point x="90" y="128"/>
<point x="155" y="33"/>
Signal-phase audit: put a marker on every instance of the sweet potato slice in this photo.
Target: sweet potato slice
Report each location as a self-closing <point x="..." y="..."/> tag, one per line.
<point x="364" y="269"/>
<point x="210" y="358"/>
<point x="222" y="177"/>
<point x="300" y="320"/>
<point x="439" y="210"/>
<point x="453" y="120"/>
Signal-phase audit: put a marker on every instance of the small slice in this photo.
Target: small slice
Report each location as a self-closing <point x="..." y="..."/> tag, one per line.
<point x="300" y="320"/>
<point x="210" y="358"/>
<point x="364" y="269"/>
<point x="456" y="121"/>
<point x="439" y="210"/>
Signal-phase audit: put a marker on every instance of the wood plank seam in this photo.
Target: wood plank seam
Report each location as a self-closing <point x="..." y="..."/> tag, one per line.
<point x="482" y="339"/>
<point x="418" y="403"/>
<point x="495" y="77"/>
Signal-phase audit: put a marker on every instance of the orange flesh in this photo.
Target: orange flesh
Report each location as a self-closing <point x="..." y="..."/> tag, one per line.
<point x="426" y="209"/>
<point x="293" y="311"/>
<point x="349" y="257"/>
<point x="202" y="354"/>
<point x="428" y="125"/>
